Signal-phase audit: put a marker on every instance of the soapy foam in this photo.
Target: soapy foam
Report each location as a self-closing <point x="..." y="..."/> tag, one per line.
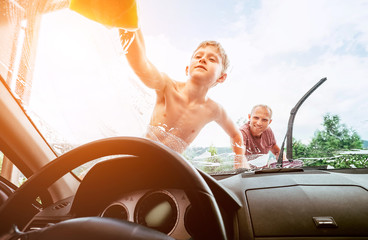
<point x="159" y="134"/>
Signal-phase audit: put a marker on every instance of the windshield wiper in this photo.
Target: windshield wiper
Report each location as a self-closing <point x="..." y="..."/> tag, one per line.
<point x="278" y="170"/>
<point x="289" y="132"/>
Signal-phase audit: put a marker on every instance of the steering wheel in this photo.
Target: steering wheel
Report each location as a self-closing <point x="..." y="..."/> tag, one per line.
<point x="18" y="210"/>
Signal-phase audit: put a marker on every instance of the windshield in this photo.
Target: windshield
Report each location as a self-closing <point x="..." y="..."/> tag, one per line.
<point x="72" y="76"/>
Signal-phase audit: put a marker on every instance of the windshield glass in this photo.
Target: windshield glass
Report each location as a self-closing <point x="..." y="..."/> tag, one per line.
<point x="72" y="76"/>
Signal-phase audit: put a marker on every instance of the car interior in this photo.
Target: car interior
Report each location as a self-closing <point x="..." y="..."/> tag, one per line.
<point x="137" y="188"/>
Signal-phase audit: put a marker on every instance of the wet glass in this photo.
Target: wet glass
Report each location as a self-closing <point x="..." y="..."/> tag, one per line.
<point x="72" y="78"/>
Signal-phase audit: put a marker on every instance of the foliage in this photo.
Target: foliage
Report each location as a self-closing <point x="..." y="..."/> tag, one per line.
<point x="192" y="152"/>
<point x="328" y="145"/>
<point x="325" y="149"/>
<point x="300" y="149"/>
<point x="215" y="163"/>
<point x="213" y="150"/>
<point x="339" y="161"/>
<point x="334" y="137"/>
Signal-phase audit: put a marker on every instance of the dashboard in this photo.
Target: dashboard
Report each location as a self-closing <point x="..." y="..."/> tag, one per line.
<point x="162" y="210"/>
<point x="289" y="204"/>
<point x="303" y="204"/>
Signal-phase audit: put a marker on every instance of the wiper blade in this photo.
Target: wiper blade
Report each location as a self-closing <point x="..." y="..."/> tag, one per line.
<point x="231" y="172"/>
<point x="322" y="167"/>
<point x="277" y="170"/>
<point x="289" y="132"/>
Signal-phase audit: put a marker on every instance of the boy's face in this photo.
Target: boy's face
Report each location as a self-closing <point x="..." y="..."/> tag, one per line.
<point x="206" y="65"/>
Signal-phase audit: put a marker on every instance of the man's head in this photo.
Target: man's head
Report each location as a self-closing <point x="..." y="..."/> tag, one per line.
<point x="259" y="119"/>
<point x="209" y="61"/>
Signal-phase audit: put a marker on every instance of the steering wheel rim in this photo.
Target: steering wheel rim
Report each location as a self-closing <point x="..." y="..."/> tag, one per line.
<point x="22" y="198"/>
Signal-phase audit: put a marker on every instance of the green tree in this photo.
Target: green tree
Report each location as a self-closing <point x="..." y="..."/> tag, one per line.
<point x="213" y="150"/>
<point x="300" y="149"/>
<point x="334" y="137"/>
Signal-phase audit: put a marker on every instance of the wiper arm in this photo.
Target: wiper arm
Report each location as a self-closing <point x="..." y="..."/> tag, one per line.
<point x="289" y="132"/>
<point x="278" y="170"/>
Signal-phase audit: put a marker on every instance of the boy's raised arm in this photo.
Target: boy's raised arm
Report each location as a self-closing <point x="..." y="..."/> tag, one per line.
<point x="137" y="58"/>
<point x="236" y="138"/>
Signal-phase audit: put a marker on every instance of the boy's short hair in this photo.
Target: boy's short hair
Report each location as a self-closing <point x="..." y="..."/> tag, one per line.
<point x="221" y="50"/>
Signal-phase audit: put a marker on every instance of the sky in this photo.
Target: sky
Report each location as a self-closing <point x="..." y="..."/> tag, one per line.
<point x="278" y="50"/>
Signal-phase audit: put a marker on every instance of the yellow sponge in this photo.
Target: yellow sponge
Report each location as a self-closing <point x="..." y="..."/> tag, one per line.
<point x="111" y="13"/>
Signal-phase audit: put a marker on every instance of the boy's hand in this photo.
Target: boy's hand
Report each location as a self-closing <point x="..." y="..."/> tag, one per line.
<point x="240" y="161"/>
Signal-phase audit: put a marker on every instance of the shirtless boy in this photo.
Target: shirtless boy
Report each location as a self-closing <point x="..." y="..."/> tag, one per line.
<point x="182" y="109"/>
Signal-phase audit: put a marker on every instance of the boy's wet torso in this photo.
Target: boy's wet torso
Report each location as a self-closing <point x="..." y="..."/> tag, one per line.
<point x="177" y="115"/>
